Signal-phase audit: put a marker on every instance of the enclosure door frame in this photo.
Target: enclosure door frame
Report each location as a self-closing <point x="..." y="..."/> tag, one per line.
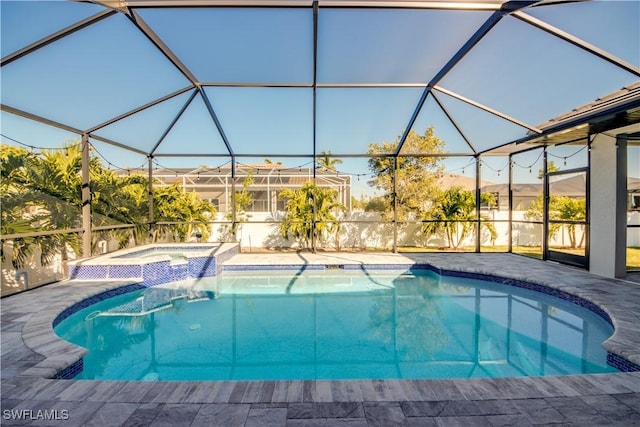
<point x="576" y="260"/>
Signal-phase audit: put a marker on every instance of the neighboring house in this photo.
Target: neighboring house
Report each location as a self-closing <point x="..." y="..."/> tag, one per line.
<point x="633" y="192"/>
<point x="216" y="184"/>
<point x="575" y="186"/>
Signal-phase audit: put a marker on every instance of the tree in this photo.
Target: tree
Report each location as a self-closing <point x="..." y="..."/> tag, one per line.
<point x="172" y="204"/>
<point x="416" y="175"/>
<point x="310" y="213"/>
<point x="572" y="209"/>
<point x="453" y="213"/>
<point x="16" y="201"/>
<point x="327" y="161"/>
<point x="368" y="204"/>
<point x="561" y="208"/>
<point x="375" y="204"/>
<point x="243" y="200"/>
<point x="43" y="192"/>
<point x="551" y="167"/>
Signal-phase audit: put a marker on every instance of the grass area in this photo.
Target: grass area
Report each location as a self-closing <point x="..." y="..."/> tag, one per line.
<point x="633" y="253"/>
<point x="532" y="251"/>
<point x="633" y="258"/>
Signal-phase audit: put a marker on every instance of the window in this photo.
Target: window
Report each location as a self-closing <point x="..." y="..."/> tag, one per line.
<point x="634" y="202"/>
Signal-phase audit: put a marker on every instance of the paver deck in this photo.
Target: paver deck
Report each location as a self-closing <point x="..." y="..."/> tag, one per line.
<point x="32" y="354"/>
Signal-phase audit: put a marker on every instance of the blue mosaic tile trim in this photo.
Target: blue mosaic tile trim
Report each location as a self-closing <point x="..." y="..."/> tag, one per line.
<point x="224" y="257"/>
<point x="70" y="371"/>
<point x="178" y="272"/>
<point x="622" y="364"/>
<point x="202" y="267"/>
<point x="614" y="360"/>
<point x="125" y="271"/>
<point x="530" y="286"/>
<point x="376" y="266"/>
<point x="156" y="273"/>
<point x="94" y="299"/>
<point x="84" y="272"/>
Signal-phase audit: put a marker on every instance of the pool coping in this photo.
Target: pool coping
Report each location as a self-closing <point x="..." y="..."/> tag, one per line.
<point x="619" y="299"/>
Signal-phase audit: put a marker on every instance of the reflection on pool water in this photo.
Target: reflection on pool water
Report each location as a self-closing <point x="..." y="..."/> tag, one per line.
<point x="335" y="325"/>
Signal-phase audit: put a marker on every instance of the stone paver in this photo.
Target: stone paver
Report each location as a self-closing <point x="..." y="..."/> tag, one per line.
<point x="31" y="353"/>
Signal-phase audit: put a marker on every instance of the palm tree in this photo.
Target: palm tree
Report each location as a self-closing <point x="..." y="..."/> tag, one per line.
<point x="172" y="204"/>
<point x="327" y="161"/>
<point x="453" y="213"/>
<point x="43" y="191"/>
<point x="309" y="213"/>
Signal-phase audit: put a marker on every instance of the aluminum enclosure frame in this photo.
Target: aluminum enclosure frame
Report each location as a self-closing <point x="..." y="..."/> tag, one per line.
<point x="498" y="10"/>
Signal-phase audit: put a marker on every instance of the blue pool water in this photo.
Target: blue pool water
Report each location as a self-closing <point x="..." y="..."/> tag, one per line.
<point x="335" y="325"/>
<point x="173" y="252"/>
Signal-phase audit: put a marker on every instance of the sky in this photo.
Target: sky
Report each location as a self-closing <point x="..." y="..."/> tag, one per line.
<point x="110" y="68"/>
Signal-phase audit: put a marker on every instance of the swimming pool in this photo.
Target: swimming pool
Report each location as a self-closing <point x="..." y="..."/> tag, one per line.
<point x="328" y="324"/>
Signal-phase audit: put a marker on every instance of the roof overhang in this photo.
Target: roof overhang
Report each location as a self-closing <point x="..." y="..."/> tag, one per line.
<point x="614" y="111"/>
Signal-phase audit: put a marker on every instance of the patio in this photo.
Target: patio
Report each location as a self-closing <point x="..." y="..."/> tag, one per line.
<point x="110" y="108"/>
<point x="31" y="352"/>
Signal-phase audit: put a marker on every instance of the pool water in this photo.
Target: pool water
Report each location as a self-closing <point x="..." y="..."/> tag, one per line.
<point x="173" y="252"/>
<point x="335" y="325"/>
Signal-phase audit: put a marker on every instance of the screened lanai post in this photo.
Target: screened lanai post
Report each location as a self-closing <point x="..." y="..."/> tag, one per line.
<point x="314" y="217"/>
<point x="150" y="207"/>
<point x="478" y="204"/>
<point x="234" y="236"/>
<point x="545" y="205"/>
<point x="395" y="204"/>
<point x="510" y="196"/>
<point x="86" y="198"/>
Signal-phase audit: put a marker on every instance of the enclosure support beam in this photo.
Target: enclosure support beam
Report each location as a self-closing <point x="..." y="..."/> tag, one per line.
<point x="545" y="206"/>
<point x="395" y="204"/>
<point x="594" y="50"/>
<point x="454" y="123"/>
<point x="56" y="36"/>
<point x="487" y="109"/>
<point x="510" y="195"/>
<point x="151" y="213"/>
<point x="478" y="204"/>
<point x="139" y="109"/>
<point x="314" y="205"/>
<point x="461" y="53"/>
<point x="234" y="213"/>
<point x="140" y="23"/>
<point x="173" y="122"/>
<point x="86" y="199"/>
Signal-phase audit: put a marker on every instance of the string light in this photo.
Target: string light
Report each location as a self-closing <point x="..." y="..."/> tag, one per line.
<point x="33" y="147"/>
<point x="116" y="168"/>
